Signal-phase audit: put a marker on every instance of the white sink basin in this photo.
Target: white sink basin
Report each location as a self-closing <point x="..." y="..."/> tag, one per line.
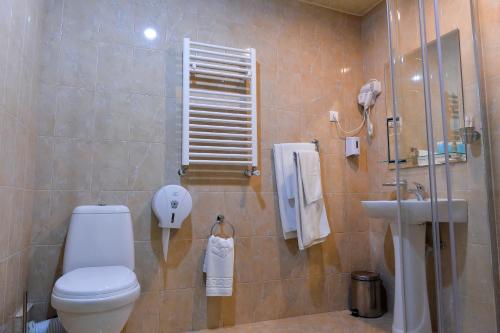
<point x="416" y="212"/>
<point x="410" y="247"/>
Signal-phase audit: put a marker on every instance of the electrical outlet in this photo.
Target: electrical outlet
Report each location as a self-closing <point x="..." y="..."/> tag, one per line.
<point x="334" y="116"/>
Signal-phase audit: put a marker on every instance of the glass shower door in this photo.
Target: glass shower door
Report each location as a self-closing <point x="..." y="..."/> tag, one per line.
<point x="445" y="264"/>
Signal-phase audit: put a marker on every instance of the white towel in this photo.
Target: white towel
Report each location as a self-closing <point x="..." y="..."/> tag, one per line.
<point x="219" y="266"/>
<point x="286" y="183"/>
<point x="312" y="222"/>
<point x="310" y="173"/>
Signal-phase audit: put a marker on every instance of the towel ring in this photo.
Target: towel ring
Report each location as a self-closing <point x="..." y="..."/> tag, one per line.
<point x="219" y="221"/>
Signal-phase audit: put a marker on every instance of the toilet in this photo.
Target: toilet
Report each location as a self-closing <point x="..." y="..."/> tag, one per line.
<point x="98" y="288"/>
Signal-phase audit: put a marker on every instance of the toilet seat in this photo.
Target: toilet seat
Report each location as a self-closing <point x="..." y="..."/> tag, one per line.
<point x="95" y="289"/>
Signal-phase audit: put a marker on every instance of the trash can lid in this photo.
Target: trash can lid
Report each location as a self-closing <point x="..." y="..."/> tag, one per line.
<point x="365" y="276"/>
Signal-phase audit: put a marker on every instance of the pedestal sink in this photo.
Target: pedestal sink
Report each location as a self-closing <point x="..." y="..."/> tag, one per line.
<point x="414" y="214"/>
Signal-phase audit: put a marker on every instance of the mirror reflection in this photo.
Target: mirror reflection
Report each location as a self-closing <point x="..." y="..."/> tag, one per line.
<point x="409" y="89"/>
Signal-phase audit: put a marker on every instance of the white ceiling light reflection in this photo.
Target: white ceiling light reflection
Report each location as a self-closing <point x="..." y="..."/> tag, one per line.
<point x="416" y="78"/>
<point x="150" y="33"/>
<point x="345" y="70"/>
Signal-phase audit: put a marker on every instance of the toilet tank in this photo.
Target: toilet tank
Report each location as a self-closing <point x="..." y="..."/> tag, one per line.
<point x="99" y="236"/>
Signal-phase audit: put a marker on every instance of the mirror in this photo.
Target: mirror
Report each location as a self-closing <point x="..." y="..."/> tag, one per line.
<point x="413" y="149"/>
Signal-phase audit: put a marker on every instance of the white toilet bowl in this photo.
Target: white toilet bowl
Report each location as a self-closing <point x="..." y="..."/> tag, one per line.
<point x="97" y="291"/>
<point x="95" y="299"/>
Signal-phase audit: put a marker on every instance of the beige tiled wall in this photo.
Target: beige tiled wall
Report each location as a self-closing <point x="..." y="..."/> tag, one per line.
<point x="20" y="31"/>
<point x="108" y="116"/>
<point x="473" y="242"/>
<point x="109" y="131"/>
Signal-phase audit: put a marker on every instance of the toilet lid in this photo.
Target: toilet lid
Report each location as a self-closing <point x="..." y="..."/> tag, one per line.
<point x="92" y="281"/>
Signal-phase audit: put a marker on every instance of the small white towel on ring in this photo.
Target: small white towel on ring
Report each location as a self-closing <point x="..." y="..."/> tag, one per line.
<point x="219" y="266"/>
<point x="312" y="222"/>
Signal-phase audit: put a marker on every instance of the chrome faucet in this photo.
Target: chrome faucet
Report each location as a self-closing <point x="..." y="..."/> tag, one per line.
<point x="419" y="189"/>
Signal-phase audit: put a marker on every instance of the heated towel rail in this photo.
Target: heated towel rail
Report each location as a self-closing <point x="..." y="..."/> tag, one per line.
<point x="219" y="119"/>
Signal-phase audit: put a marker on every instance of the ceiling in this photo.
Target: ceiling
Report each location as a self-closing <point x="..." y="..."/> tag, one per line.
<point x="354" y="7"/>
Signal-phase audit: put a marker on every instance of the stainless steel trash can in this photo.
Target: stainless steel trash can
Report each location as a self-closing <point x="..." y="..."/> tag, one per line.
<point x="366" y="294"/>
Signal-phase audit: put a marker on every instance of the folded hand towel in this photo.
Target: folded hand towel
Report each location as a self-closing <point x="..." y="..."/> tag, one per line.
<point x="311" y="176"/>
<point x="312" y="222"/>
<point x="286" y="184"/>
<point x="288" y="170"/>
<point x="219" y="266"/>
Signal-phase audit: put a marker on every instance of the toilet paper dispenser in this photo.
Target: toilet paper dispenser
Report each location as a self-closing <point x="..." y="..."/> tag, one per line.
<point x="172" y="205"/>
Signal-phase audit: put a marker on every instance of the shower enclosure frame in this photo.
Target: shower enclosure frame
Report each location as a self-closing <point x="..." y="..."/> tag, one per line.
<point x="393" y="18"/>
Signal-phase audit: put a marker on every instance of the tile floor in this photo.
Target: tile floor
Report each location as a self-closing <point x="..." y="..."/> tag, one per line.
<point x="331" y="322"/>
